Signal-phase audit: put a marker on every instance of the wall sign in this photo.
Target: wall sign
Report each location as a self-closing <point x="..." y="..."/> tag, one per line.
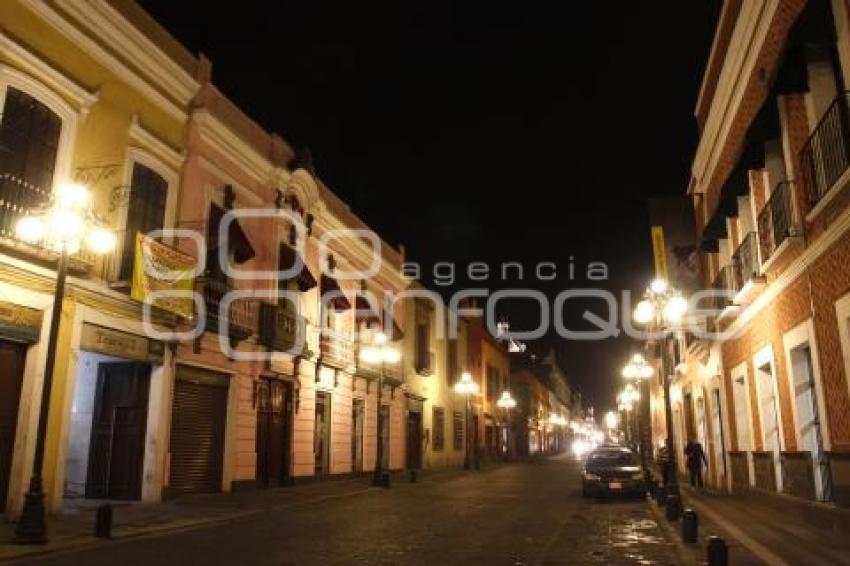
<point x="19" y="323"/>
<point x="120" y="344"/>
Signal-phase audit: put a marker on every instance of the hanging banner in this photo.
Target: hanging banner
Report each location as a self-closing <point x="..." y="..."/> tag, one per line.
<point x="659" y="253"/>
<point x="157" y="267"/>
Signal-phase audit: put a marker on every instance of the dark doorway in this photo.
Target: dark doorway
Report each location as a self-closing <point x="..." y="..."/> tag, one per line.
<point x="414" y="440"/>
<point x="357" y="428"/>
<point x="12" y="357"/>
<point x="321" y="439"/>
<point x="690" y="426"/>
<point x="274" y="432"/>
<point x="117" y="446"/>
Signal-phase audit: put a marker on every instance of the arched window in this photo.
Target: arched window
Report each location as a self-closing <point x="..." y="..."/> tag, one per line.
<point x="29" y="143"/>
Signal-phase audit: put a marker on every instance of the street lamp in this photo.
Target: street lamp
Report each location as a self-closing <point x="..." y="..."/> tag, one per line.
<point x="661" y="308"/>
<point x="467" y="386"/>
<point x="380" y="352"/>
<point x="506" y="402"/>
<point x="639" y="370"/>
<point x="64" y="225"/>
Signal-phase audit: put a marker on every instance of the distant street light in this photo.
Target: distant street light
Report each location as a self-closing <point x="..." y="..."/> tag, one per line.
<point x="466" y="386"/>
<point x="380" y="352"/>
<point x="639" y="370"/>
<point x="64" y="226"/>
<point x="507" y="403"/>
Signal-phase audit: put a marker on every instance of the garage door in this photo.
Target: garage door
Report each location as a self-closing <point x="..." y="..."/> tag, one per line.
<point x="197" y="431"/>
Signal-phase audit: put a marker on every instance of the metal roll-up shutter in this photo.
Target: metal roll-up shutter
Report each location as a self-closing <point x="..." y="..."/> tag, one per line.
<point x="197" y="431"/>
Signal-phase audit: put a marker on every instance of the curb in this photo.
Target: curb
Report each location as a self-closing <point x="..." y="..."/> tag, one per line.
<point x="686" y="554"/>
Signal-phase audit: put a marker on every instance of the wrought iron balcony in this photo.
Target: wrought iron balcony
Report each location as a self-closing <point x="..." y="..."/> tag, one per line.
<point x="724" y="285"/>
<point x="282" y="331"/>
<point x="241" y="315"/>
<point x="745" y="261"/>
<point x="17" y="199"/>
<point x="826" y="154"/>
<point x="775" y="221"/>
<point x="336" y="348"/>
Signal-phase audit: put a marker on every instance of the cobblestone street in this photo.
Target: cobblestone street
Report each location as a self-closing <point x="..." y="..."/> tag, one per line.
<point x="530" y="513"/>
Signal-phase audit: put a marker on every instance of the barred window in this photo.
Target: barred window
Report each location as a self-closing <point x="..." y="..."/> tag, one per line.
<point x="439" y="428"/>
<point x="29" y="143"/>
<point x="145" y="212"/>
<point x="458" y="430"/>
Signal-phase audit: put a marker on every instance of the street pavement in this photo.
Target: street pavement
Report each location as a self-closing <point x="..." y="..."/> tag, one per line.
<point x="517" y="514"/>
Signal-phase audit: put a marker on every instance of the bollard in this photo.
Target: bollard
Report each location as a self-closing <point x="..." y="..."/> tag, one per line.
<point x="413" y="476"/>
<point x="718" y="552"/>
<point x="103" y="521"/>
<point x="673" y="507"/>
<point x="690" y="526"/>
<point x="385" y="480"/>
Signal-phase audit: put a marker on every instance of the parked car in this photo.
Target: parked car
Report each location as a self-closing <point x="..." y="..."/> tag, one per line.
<point x="612" y="470"/>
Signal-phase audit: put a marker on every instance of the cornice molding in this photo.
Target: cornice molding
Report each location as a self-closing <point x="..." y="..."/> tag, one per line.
<point x="69" y="30"/>
<point x="215" y="133"/>
<point x="172" y="157"/>
<point x="26" y="61"/>
<point x="113" y="29"/>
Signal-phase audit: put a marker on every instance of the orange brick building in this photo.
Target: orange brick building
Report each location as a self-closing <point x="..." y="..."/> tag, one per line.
<point x="768" y="393"/>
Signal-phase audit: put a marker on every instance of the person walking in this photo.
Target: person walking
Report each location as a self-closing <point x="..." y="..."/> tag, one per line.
<point x="695" y="457"/>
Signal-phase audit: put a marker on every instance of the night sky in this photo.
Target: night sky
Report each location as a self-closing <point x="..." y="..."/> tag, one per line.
<point x="518" y="132"/>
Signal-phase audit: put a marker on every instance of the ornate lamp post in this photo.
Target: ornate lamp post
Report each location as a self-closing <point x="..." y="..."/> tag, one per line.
<point x="506" y="402"/>
<point x="661" y="309"/>
<point x="466" y="386"/>
<point x="380" y="352"/>
<point x="65" y="225"/>
<point x="639" y="370"/>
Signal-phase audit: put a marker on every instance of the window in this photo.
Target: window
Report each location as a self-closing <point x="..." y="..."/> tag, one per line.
<point x="29" y="142"/>
<point x="423" y="340"/>
<point x="457" y="422"/>
<point x="451" y="362"/>
<point x="493" y="383"/>
<point x="145" y="212"/>
<point x="439" y="426"/>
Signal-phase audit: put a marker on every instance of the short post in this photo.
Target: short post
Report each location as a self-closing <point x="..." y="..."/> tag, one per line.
<point x="718" y="552"/>
<point x="674" y="507"/>
<point x="103" y="521"/>
<point x="661" y="495"/>
<point x="690" y="526"/>
<point x="413" y="476"/>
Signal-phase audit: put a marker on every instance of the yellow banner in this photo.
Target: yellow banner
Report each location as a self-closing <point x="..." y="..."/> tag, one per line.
<point x="158" y="268"/>
<point x="659" y="252"/>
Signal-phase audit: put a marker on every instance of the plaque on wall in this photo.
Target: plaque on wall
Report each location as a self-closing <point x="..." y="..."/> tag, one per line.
<point x="120" y="344"/>
<point x="19" y="323"/>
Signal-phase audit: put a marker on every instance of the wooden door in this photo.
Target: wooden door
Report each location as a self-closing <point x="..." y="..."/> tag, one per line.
<point x="414" y="440"/>
<point x="357" y="418"/>
<point x="12" y="358"/>
<point x="321" y="439"/>
<point x="273" y="431"/>
<point x="117" y="446"/>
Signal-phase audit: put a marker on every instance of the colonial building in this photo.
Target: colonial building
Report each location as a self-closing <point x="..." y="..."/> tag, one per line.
<point x="768" y="396"/>
<point x="490" y="365"/>
<point x="96" y="93"/>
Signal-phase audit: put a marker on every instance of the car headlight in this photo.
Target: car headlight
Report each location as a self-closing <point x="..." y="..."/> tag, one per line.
<point x="591" y="477"/>
<point x="637" y="476"/>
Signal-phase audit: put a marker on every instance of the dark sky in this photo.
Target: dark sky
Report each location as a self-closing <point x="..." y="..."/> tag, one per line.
<point x="480" y="132"/>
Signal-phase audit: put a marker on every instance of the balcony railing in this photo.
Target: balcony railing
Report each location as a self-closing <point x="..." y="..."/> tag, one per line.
<point x="724" y="285"/>
<point x="282" y="331"/>
<point x="745" y="262"/>
<point x="826" y="155"/>
<point x="775" y="221"/>
<point x="392" y="371"/>
<point x="17" y="199"/>
<point x="337" y="348"/>
<point x="241" y="316"/>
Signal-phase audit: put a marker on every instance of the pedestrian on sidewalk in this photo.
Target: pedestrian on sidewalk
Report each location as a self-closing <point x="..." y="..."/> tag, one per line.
<point x="695" y="457"/>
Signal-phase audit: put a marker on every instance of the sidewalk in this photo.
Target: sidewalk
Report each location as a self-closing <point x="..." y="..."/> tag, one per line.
<point x="73" y="527"/>
<point x="772" y="528"/>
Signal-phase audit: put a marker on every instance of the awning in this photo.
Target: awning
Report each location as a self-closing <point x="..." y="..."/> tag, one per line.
<point x="338" y="301"/>
<point x="287" y="259"/>
<point x="237" y="240"/>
